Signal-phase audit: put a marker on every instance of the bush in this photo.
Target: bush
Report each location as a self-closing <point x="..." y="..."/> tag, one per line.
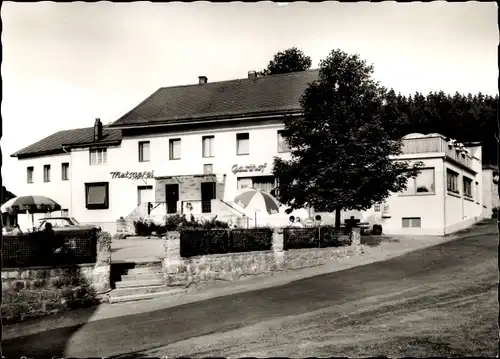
<point x="494" y="213"/>
<point x="248" y="240"/>
<point x="197" y="242"/>
<point x="296" y="238"/>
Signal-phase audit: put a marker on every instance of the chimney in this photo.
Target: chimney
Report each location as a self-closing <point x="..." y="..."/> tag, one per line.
<point x="252" y="75"/>
<point x="97" y="129"/>
<point x="202" y="80"/>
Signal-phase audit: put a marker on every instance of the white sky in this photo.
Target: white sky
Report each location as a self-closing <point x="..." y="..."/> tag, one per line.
<point x="64" y="64"/>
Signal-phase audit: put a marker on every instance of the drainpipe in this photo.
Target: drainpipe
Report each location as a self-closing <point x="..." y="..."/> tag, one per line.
<point x="70" y="214"/>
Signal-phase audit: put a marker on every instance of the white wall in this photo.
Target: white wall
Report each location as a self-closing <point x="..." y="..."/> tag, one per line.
<point x="57" y="189"/>
<point x="428" y="207"/>
<point x="263" y="148"/>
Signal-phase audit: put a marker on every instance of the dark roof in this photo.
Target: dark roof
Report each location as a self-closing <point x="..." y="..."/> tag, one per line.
<point x="224" y="99"/>
<point x="53" y="144"/>
<point x="6" y="195"/>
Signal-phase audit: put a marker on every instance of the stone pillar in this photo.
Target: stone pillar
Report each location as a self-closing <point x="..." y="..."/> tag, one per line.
<point x="356" y="239"/>
<point x="101" y="274"/>
<point x="279" y="254"/>
<point x="173" y="259"/>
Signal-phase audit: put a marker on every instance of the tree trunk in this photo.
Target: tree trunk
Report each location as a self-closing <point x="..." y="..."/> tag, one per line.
<point x="337" y="218"/>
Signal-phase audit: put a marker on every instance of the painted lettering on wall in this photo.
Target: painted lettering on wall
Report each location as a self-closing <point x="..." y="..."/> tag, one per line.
<point x="249" y="168"/>
<point x="132" y="175"/>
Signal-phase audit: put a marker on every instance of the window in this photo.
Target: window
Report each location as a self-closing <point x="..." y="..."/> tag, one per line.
<point x="412" y="222"/>
<point x="64" y="213"/>
<point x="263" y="183"/>
<point x="242" y="143"/>
<point x="376" y="207"/>
<point x="467" y="187"/>
<point x="65" y="171"/>
<point x="97" y="195"/>
<point x="477" y="193"/>
<point x="98" y="156"/>
<point x="282" y="142"/>
<point x="452" y="181"/>
<point x="144" y="151"/>
<point x="46" y="173"/>
<point x="244" y="183"/>
<point x="208" y="169"/>
<point x="423" y="183"/>
<point x="29" y="174"/>
<point x="175" y="149"/>
<point x="208" y="146"/>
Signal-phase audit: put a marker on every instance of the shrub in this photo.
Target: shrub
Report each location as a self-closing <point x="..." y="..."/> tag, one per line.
<point x="142" y="228"/>
<point x="197" y="242"/>
<point x="248" y="240"/>
<point x="296" y="238"/>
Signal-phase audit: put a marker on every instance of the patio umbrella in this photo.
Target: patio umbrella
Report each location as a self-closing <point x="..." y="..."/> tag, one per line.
<point x="257" y="200"/>
<point x="30" y="204"/>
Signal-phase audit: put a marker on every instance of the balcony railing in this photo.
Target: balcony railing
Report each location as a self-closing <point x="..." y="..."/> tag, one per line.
<point x="435" y="145"/>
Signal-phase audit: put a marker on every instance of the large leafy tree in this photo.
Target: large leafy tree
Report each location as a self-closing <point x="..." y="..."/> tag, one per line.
<point x="342" y="147"/>
<point x="290" y="60"/>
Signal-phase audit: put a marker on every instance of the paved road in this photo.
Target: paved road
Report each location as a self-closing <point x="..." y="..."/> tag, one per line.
<point x="440" y="301"/>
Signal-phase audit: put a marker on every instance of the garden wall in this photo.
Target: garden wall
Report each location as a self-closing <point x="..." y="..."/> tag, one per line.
<point x="37" y="291"/>
<point x="185" y="272"/>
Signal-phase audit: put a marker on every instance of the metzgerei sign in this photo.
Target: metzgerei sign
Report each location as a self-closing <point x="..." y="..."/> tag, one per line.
<point x="132" y="175"/>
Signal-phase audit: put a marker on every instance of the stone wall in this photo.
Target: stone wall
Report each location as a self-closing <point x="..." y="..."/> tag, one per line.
<point x="235" y="266"/>
<point x="37" y="291"/>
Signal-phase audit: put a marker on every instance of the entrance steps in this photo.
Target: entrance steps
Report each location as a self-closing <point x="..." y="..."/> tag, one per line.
<point x="140" y="282"/>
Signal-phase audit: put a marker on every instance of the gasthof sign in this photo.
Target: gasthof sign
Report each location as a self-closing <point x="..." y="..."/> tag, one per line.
<point x="249" y="168"/>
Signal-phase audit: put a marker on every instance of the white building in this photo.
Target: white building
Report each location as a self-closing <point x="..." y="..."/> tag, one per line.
<point x="445" y="197"/>
<point x="189" y="149"/>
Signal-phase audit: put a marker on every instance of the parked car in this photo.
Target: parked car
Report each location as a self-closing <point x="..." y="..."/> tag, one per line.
<point x="66" y="224"/>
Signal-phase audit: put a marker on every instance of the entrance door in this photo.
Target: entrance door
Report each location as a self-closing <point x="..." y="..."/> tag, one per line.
<point x="172" y="197"/>
<point x="207" y="195"/>
<point x="145" y="194"/>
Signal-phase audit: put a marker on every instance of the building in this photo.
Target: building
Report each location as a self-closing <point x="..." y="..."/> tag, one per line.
<point x="445" y="197"/>
<point x="186" y="149"/>
<point x="490" y="190"/>
<point x="189" y="149"/>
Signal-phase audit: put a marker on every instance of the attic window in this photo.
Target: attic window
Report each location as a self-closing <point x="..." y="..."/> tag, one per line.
<point x="98" y="156"/>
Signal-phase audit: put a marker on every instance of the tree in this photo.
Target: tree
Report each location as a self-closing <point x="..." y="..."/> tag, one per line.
<point x="290" y="60"/>
<point x="341" y="148"/>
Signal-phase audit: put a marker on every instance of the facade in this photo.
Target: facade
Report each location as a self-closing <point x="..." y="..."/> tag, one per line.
<point x="189" y="149"/>
<point x="490" y="190"/>
<point x="185" y="149"/>
<point x="444" y="198"/>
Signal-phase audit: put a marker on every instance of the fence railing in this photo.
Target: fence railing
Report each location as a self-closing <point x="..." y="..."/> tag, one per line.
<point x="38" y="249"/>
<point x="434" y="144"/>
<point x="196" y="242"/>
<point x="320" y="237"/>
<point x="205" y="242"/>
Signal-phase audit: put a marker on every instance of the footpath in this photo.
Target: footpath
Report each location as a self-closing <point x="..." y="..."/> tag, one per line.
<point x="375" y="249"/>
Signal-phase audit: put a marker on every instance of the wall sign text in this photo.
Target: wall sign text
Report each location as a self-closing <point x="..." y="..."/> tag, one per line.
<point x="249" y="168"/>
<point x="132" y="175"/>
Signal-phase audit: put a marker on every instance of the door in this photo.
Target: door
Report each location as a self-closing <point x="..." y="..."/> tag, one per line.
<point x="207" y="195"/>
<point x="145" y="194"/>
<point x="172" y="197"/>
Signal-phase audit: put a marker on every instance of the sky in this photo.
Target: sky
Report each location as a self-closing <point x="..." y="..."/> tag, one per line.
<point x="65" y="64"/>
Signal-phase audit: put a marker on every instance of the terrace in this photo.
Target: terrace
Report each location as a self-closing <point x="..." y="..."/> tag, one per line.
<point x="436" y="144"/>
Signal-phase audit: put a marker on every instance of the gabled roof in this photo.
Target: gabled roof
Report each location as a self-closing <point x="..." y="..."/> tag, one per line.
<point x="225" y="99"/>
<point x="53" y="144"/>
